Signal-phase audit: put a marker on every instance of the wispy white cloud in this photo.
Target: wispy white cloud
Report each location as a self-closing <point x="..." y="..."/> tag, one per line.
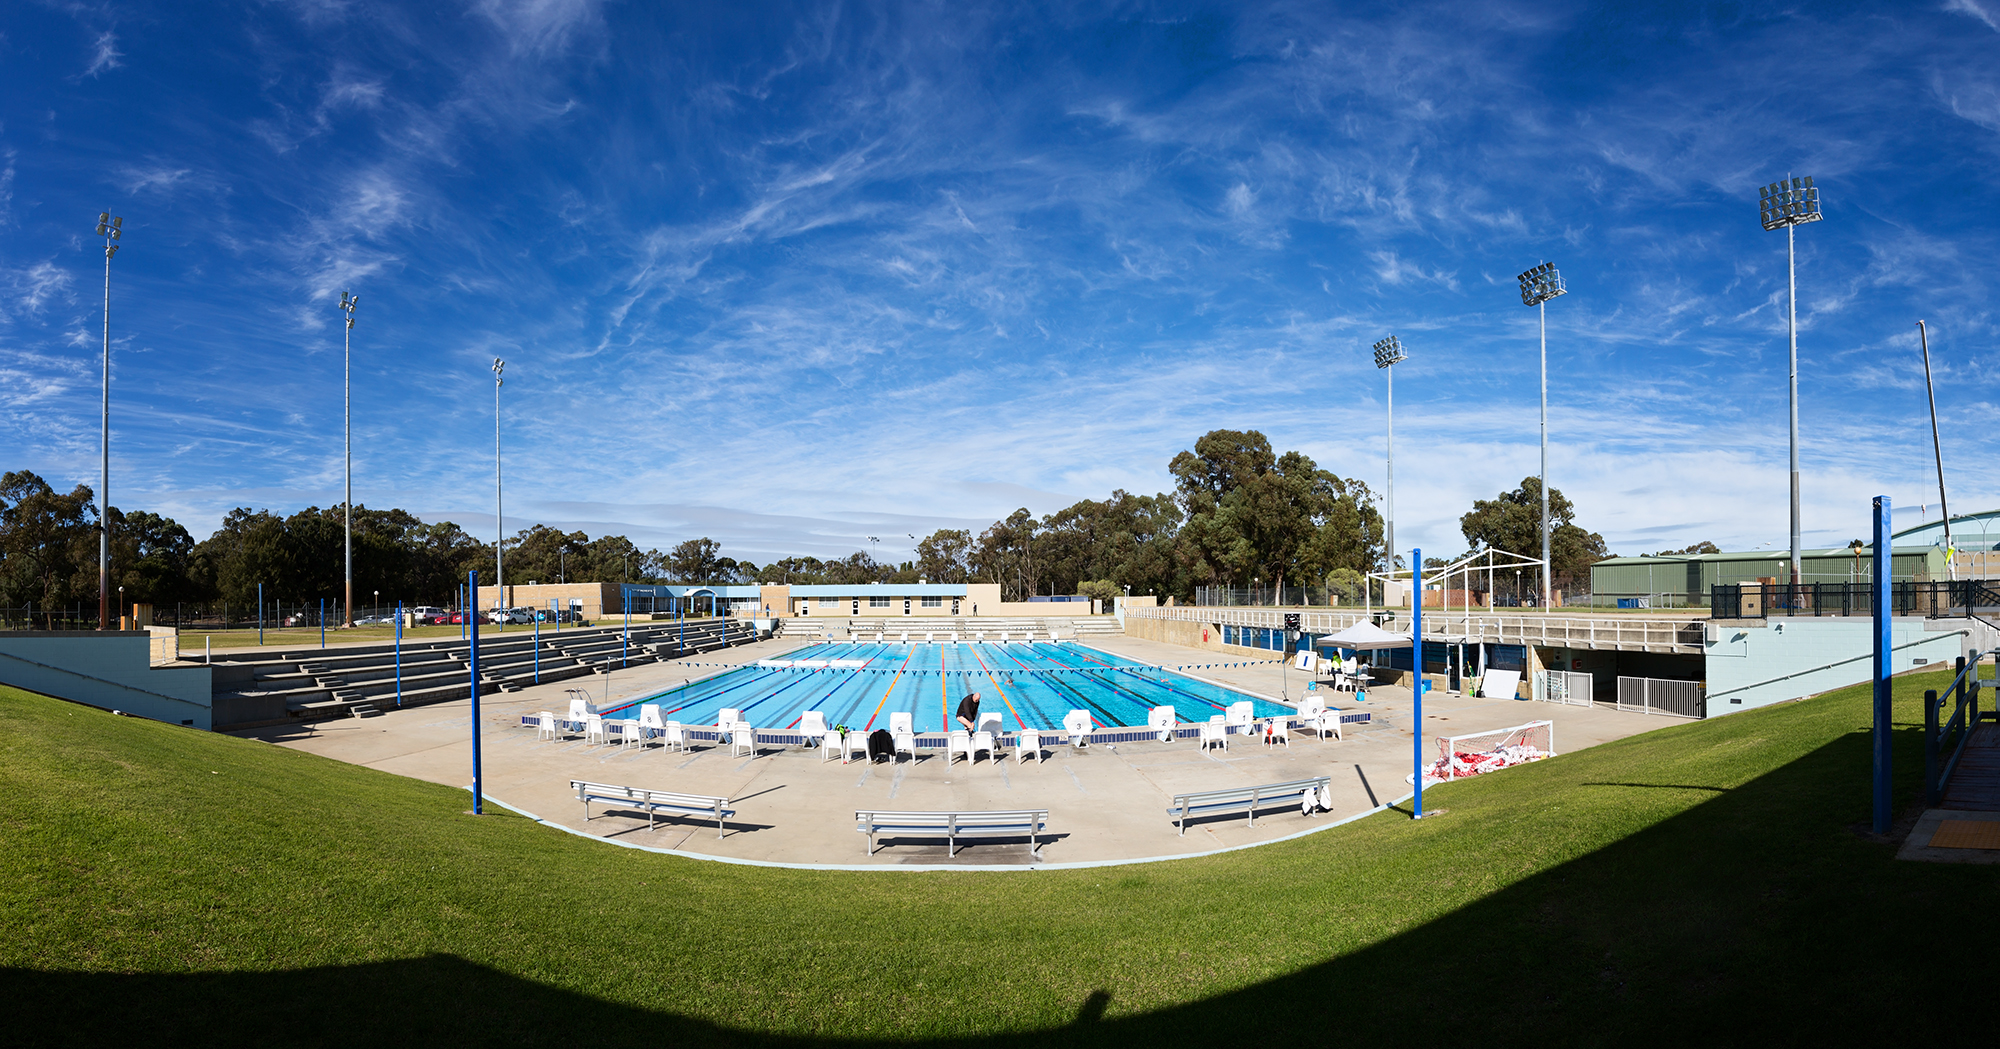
<point x="104" y="54"/>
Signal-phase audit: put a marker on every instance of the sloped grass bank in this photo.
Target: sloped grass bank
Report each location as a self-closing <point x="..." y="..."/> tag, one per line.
<point x="159" y="885"/>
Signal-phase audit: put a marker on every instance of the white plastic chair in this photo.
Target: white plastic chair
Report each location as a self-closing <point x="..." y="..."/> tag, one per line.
<point x="581" y="709"/>
<point x="649" y="719"/>
<point x="741" y="738"/>
<point x="856" y="742"/>
<point x="1028" y="742"/>
<point x="1077" y="724"/>
<point x="1279" y="731"/>
<point x="545" y="725"/>
<point x="906" y="743"/>
<point x="1214" y="732"/>
<point x="1162" y="718"/>
<point x="812" y="724"/>
<point x="959" y="742"/>
<point x="829" y="745"/>
<point x="1241" y="715"/>
<point x="902" y="721"/>
<point x="1327" y="723"/>
<point x="635" y="733"/>
<point x="984" y="741"/>
<point x="676" y="735"/>
<point x="593" y="729"/>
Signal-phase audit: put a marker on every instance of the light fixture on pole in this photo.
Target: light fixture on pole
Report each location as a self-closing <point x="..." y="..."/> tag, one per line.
<point x="347" y="304"/>
<point x="1538" y="286"/>
<point x="1937" y="450"/>
<point x="1784" y="205"/>
<point x="110" y="229"/>
<point x="1389" y="352"/>
<point x="499" y="522"/>
<point x="875" y="544"/>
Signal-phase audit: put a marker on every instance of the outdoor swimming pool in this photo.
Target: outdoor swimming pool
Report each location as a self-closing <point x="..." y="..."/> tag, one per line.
<point x="1030" y="686"/>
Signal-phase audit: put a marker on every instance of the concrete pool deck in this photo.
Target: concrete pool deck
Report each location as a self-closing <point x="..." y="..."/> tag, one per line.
<point x="1106" y="802"/>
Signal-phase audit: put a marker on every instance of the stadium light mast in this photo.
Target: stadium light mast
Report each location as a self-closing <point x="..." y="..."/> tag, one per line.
<point x="1538" y="286"/>
<point x="1389" y="352"/>
<point x="347" y="304"/>
<point x="110" y="229"/>
<point x="1786" y="205"/>
<point x="1937" y="450"/>
<point x="499" y="523"/>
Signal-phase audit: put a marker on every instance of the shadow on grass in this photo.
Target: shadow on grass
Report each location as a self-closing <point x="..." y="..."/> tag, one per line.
<point x="1753" y="916"/>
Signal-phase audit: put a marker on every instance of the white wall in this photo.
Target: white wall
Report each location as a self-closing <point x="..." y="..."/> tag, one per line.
<point x="1755" y="666"/>
<point x="111" y="669"/>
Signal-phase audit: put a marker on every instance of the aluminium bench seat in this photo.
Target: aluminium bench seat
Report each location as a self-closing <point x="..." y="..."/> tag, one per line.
<point x="652" y="802"/>
<point x="951" y="826"/>
<point x="1240" y="799"/>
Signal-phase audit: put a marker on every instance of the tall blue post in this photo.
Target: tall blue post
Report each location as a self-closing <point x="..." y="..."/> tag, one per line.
<point x="625" y="642"/>
<point x="1417" y="661"/>
<point x="399" y="653"/>
<point x="260" y="613"/>
<point x="538" y="650"/>
<point x="1883" y="683"/>
<point x="472" y="631"/>
<point x="322" y="622"/>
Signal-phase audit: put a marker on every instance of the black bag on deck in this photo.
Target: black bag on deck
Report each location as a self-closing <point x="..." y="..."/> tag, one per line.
<point x="881" y="745"/>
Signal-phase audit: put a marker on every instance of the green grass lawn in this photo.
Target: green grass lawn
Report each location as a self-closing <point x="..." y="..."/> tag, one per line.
<point x="1704" y="881"/>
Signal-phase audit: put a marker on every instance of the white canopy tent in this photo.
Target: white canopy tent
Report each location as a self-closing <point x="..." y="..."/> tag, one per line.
<point x="1363" y="636"/>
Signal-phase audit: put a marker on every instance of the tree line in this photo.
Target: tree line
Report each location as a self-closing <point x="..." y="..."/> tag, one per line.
<point x="1240" y="514"/>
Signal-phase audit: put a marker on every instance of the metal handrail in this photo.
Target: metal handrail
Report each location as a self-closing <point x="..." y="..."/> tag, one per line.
<point x="1562" y="631"/>
<point x="1964" y="692"/>
<point x="101" y="681"/>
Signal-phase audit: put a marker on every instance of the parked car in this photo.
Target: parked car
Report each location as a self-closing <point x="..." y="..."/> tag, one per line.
<point x="426" y="614"/>
<point x="565" y="615"/>
<point x="504" y="616"/>
<point x="298" y="619"/>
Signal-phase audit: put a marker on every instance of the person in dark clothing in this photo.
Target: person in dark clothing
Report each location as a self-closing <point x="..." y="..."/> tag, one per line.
<point x="968" y="711"/>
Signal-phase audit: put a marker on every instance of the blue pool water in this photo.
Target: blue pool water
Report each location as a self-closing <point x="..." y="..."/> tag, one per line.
<point x="1031" y="686"/>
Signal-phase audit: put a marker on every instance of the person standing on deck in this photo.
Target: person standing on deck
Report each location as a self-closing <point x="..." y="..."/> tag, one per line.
<point x="968" y="711"/>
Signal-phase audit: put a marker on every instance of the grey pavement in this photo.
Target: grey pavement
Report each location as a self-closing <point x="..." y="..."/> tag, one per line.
<point x="1106" y="802"/>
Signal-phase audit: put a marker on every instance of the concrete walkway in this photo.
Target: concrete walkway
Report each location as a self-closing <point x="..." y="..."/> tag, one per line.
<point x="1106" y="803"/>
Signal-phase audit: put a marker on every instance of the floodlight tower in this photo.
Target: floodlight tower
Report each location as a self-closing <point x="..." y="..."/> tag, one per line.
<point x="1538" y="286"/>
<point x="1786" y="205"/>
<point x="1389" y="352"/>
<point x="347" y="304"/>
<point x="499" y="523"/>
<point x="110" y="229"/>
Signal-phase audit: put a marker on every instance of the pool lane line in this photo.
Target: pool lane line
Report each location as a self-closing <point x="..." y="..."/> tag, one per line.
<point x="892" y="687"/>
<point x="1198" y="699"/>
<point x="1097" y="713"/>
<point x="1018" y="721"/>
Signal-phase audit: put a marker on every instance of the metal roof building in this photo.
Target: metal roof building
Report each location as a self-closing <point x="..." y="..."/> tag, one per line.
<point x="1683" y="580"/>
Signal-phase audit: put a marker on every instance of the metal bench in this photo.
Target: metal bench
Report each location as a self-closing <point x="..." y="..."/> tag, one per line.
<point x="951" y="826"/>
<point x="653" y="801"/>
<point x="1241" y="799"/>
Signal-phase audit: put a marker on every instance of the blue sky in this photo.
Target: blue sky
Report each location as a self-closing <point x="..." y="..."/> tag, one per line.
<point x="788" y="276"/>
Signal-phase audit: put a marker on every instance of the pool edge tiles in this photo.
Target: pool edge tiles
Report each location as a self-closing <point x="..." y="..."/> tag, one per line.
<point x="1030" y="686"/>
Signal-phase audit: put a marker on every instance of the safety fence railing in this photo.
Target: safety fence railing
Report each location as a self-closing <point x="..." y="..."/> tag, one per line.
<point x="1948" y="736"/>
<point x="1572" y="688"/>
<point x="1663" y="634"/>
<point x="1932" y="599"/>
<point x="1652" y="695"/>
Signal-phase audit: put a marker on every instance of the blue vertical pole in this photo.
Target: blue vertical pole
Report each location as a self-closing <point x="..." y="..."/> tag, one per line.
<point x="322" y="622"/>
<point x="1883" y="682"/>
<point x="472" y="632"/>
<point x="1417" y="661"/>
<point x="625" y="642"/>
<point x="399" y="653"/>
<point x="538" y="650"/>
<point x="260" y="613"/>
